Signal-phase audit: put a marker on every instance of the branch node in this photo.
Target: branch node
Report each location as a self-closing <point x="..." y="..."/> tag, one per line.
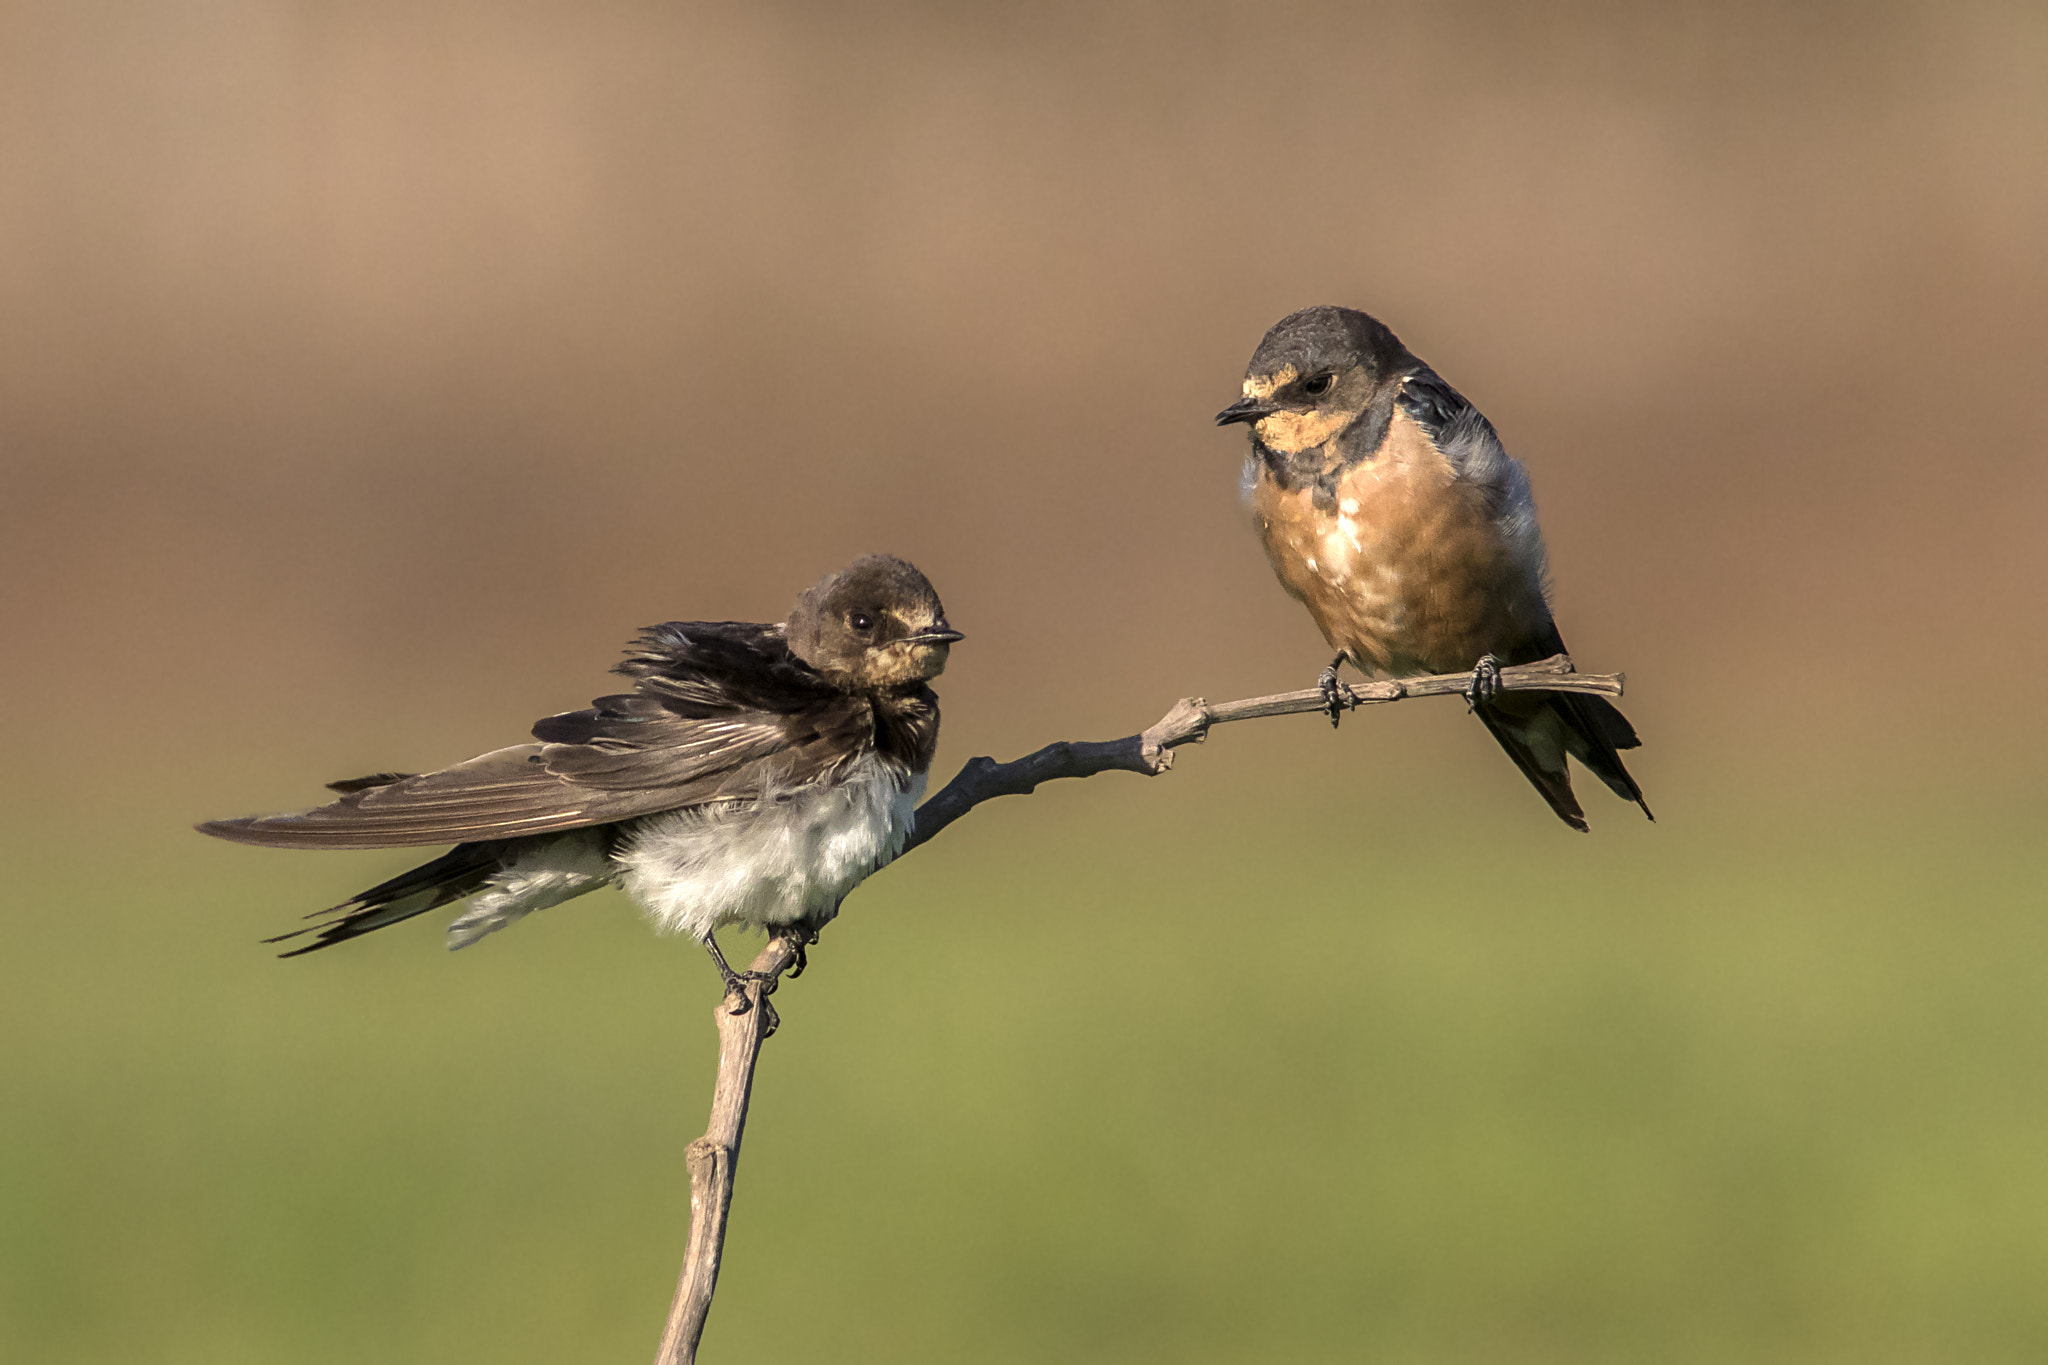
<point x="697" y="1156"/>
<point x="1187" y="723"/>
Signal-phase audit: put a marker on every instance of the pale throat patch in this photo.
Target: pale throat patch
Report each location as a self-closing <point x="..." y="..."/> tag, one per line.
<point x="900" y="663"/>
<point x="1290" y="433"/>
<point x="903" y="662"/>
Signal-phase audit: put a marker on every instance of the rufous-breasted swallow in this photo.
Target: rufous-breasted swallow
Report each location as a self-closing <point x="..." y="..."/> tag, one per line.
<point x="1390" y="509"/>
<point x="754" y="775"/>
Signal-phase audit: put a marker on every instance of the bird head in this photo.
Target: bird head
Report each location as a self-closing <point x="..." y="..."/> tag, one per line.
<point x="1313" y="375"/>
<point x="873" y="625"/>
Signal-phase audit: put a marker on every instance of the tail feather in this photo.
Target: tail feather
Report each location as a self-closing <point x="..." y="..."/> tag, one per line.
<point x="1589" y="728"/>
<point x="1537" y="751"/>
<point x="460" y="872"/>
<point x="1539" y="728"/>
<point x="1604" y="719"/>
<point x="1595" y="732"/>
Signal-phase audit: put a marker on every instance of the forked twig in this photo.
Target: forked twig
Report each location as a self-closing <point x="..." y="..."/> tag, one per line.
<point x="713" y="1158"/>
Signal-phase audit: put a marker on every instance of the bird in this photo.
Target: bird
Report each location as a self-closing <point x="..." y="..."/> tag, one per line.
<point x="755" y="774"/>
<point x="1390" y="509"/>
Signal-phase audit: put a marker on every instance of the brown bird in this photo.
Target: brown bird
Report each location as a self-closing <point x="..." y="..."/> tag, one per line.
<point x="1390" y="509"/>
<point x="755" y="774"/>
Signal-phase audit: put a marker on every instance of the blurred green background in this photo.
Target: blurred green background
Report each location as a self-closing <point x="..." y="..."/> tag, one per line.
<point x="370" y="372"/>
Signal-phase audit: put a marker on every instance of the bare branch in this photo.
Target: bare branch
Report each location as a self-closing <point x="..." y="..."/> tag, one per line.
<point x="1150" y="752"/>
<point x="713" y="1158"/>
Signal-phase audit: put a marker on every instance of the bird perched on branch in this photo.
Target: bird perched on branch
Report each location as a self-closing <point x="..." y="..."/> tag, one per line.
<point x="1389" y="508"/>
<point x="754" y="775"/>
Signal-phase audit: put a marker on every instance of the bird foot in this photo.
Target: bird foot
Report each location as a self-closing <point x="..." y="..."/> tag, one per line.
<point x="736" y="984"/>
<point x="804" y="938"/>
<point x="742" y="1004"/>
<point x="740" y="981"/>
<point x="736" y="992"/>
<point x="1337" y="694"/>
<point x="1485" y="684"/>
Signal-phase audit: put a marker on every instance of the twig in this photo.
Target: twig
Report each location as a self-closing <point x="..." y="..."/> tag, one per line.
<point x="713" y="1157"/>
<point x="1150" y="752"/>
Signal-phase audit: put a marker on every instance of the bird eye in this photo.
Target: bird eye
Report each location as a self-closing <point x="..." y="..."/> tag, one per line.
<point x="1317" y="387"/>
<point x="863" y="621"/>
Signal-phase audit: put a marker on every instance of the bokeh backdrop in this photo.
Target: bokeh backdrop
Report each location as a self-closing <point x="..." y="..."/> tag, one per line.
<point x="369" y="372"/>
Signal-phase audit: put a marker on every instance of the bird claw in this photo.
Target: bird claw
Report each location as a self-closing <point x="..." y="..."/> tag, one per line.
<point x="1485" y="684"/>
<point x="1337" y="694"/>
<point x="803" y="959"/>
<point x="736" y="992"/>
<point x="737" y="999"/>
<point x="770" y="1020"/>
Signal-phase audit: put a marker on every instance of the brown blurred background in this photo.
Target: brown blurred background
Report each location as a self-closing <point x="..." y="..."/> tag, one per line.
<point x="388" y="364"/>
<point x="369" y="372"/>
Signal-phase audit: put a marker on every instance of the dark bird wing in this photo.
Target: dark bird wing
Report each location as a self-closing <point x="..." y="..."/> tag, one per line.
<point x="718" y="710"/>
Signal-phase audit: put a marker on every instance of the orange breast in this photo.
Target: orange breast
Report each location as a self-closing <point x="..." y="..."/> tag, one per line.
<point x="1407" y="574"/>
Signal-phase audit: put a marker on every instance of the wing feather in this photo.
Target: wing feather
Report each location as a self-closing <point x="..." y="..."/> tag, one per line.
<point x="719" y="711"/>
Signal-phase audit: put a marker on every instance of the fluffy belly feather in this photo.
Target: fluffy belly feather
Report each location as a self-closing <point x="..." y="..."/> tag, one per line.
<point x="791" y="855"/>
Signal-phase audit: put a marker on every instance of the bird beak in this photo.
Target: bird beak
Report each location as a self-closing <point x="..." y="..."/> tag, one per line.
<point x="1246" y="410"/>
<point x="938" y="635"/>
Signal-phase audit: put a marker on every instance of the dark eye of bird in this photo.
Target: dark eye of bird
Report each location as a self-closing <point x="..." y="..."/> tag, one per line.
<point x="863" y="621"/>
<point x="1317" y="387"/>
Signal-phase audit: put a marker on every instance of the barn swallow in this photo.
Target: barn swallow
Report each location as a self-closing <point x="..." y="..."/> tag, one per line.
<point x="754" y="775"/>
<point x="1389" y="508"/>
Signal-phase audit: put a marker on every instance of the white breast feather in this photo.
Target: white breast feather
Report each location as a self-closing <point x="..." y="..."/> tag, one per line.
<point x="792" y="854"/>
